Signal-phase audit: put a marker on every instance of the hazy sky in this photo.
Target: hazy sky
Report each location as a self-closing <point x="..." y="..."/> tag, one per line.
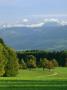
<point x="11" y="10"/>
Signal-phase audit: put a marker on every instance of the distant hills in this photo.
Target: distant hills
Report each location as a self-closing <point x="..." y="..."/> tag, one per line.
<point x="49" y="36"/>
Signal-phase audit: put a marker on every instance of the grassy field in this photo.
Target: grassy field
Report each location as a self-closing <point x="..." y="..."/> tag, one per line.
<point x="36" y="79"/>
<point x="39" y="74"/>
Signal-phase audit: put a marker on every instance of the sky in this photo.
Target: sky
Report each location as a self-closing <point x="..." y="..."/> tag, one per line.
<point x="14" y="10"/>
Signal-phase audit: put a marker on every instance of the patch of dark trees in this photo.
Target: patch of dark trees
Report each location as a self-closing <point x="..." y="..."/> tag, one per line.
<point x="59" y="56"/>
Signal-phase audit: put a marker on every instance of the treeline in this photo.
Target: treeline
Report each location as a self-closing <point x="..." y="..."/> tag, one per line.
<point x="59" y="57"/>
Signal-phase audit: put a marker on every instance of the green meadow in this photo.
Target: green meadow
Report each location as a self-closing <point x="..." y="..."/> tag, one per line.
<point x="36" y="79"/>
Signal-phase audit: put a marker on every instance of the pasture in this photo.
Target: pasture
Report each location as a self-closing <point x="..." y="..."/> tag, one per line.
<point x="36" y="79"/>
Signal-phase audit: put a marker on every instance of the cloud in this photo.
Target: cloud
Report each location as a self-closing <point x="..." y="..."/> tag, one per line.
<point x="64" y="22"/>
<point x="61" y="22"/>
<point x="25" y="20"/>
<point x="51" y="20"/>
<point x="36" y="25"/>
<point x="26" y="23"/>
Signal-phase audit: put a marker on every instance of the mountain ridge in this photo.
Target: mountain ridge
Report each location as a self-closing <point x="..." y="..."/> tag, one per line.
<point x="45" y="22"/>
<point x="42" y="38"/>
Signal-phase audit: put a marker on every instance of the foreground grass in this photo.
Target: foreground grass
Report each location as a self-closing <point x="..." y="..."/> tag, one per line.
<point x="33" y="85"/>
<point x="36" y="79"/>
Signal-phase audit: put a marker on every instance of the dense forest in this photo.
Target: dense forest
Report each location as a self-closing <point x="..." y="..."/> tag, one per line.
<point x="59" y="56"/>
<point x="11" y="60"/>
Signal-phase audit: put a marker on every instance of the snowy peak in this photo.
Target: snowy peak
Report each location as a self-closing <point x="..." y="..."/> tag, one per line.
<point x="46" y="22"/>
<point x="52" y="22"/>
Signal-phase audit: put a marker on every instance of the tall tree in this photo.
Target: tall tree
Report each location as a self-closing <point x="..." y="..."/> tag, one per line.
<point x="55" y="63"/>
<point x="3" y="60"/>
<point x="50" y="65"/>
<point x="31" y="61"/>
<point x="12" y="66"/>
<point x="65" y="62"/>
<point x="44" y="63"/>
<point x="23" y="64"/>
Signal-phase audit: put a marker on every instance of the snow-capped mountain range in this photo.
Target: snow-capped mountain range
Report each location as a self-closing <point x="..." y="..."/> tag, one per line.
<point x="27" y="23"/>
<point x="50" y="34"/>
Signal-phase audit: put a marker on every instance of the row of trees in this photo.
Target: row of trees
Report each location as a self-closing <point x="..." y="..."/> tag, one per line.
<point x="59" y="56"/>
<point x="44" y="63"/>
<point x="48" y="64"/>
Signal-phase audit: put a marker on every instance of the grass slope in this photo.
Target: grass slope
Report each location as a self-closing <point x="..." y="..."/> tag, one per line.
<point x="36" y="79"/>
<point x="39" y="74"/>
